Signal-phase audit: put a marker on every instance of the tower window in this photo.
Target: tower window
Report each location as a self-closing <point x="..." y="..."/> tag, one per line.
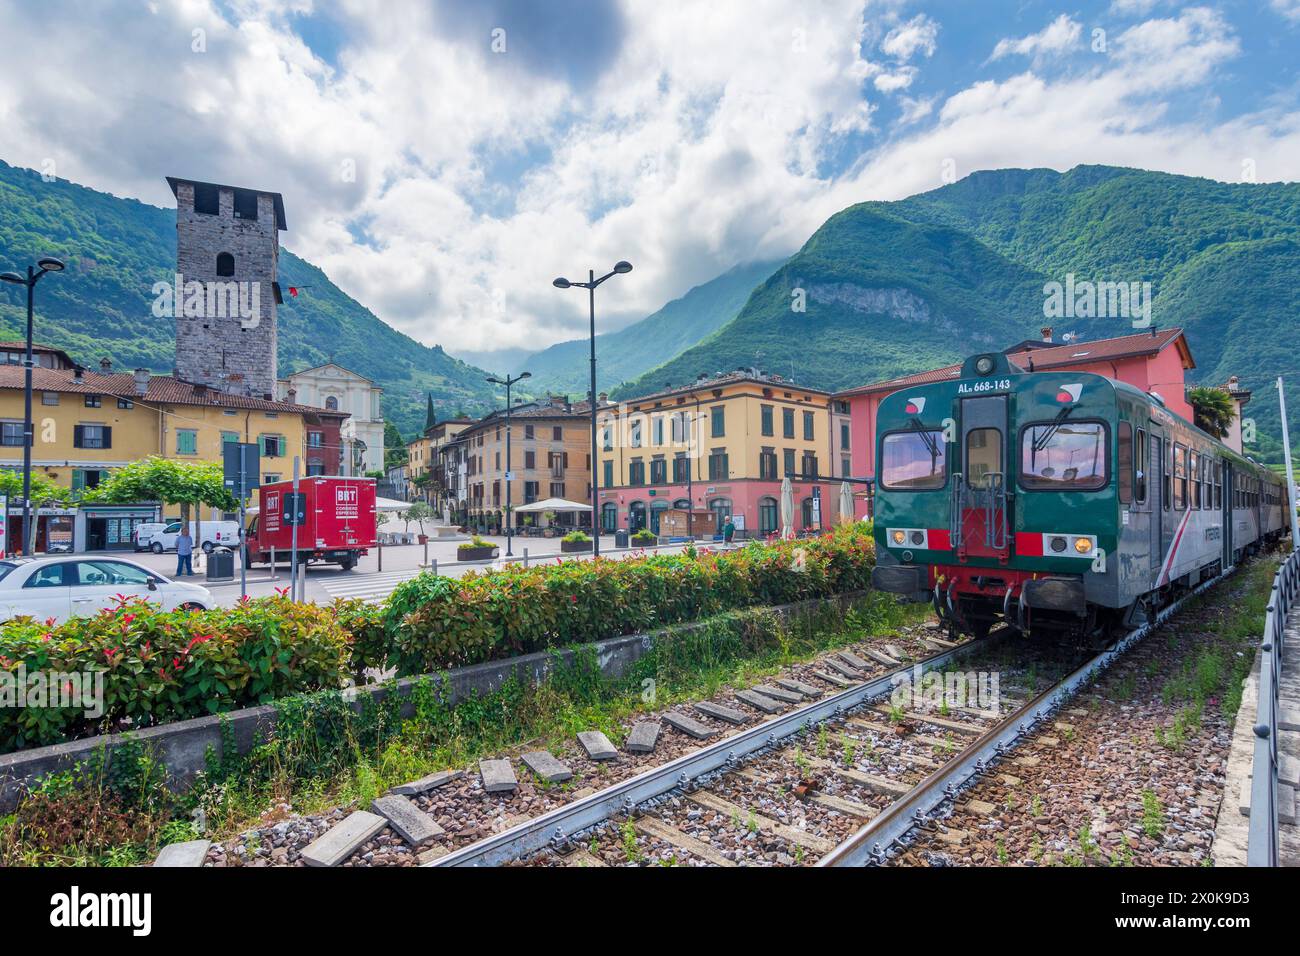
<point x="245" y="204"/>
<point x="332" y="403"/>
<point x="207" y="199"/>
<point x="225" y="264"/>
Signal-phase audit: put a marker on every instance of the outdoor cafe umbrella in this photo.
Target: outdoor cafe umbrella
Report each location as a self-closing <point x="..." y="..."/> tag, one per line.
<point x="846" y="503"/>
<point x="787" y="508"/>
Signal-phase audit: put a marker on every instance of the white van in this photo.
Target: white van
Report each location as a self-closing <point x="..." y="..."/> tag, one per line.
<point x="143" y="533"/>
<point x="207" y="535"/>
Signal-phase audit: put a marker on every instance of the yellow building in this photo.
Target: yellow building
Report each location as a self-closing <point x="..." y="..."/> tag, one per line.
<point x="722" y="444"/>
<point x="550" y="457"/>
<point x="85" y="424"/>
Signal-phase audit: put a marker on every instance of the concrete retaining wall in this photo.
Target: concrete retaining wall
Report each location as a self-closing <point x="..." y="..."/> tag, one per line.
<point x="182" y="745"/>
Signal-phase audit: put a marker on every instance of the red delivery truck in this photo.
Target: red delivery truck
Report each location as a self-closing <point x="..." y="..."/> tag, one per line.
<point x="338" y="521"/>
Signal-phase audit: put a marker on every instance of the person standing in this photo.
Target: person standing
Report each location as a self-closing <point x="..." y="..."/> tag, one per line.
<point x="184" y="552"/>
<point x="728" y="531"/>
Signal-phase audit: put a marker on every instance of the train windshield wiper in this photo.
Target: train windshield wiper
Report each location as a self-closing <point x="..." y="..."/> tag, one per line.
<point x="927" y="436"/>
<point x="1045" y="439"/>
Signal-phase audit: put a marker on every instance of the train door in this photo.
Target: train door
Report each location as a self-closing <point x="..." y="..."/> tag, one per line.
<point x="981" y="506"/>
<point x="1229" y="492"/>
<point x="1156" y="496"/>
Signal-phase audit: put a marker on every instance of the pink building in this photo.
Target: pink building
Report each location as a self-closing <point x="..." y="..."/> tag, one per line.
<point x="1155" y="361"/>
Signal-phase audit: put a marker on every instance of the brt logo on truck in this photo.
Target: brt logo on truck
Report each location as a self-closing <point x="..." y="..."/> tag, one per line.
<point x="345" y="501"/>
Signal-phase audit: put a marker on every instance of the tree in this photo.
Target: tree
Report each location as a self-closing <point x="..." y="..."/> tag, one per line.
<point x="394" y="446"/>
<point x="419" y="512"/>
<point x="43" y="490"/>
<point x="183" y="483"/>
<point x="1214" y="410"/>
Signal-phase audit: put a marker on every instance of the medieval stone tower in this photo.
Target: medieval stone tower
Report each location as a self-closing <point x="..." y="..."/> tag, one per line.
<point x="227" y="256"/>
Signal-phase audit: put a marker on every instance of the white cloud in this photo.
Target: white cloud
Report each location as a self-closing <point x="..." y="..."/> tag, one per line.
<point x="917" y="34"/>
<point x="701" y="144"/>
<point x="1058" y="36"/>
<point x="1288" y="8"/>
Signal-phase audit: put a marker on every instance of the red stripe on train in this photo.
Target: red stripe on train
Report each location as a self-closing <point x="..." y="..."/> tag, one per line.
<point x="1029" y="544"/>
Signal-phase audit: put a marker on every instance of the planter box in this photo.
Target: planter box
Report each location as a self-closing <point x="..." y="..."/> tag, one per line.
<point x="476" y="554"/>
<point x="568" y="546"/>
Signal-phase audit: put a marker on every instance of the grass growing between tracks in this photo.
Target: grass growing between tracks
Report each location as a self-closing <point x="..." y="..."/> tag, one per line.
<point x="323" y="754"/>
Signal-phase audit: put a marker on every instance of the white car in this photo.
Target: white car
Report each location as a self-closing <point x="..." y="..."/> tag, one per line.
<point x="206" y="534"/>
<point x="143" y="533"/>
<point x="64" y="587"/>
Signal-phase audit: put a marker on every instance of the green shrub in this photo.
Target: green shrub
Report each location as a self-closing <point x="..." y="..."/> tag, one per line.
<point x="475" y="542"/>
<point x="645" y="536"/>
<point x="162" y="666"/>
<point x="577" y="537"/>
<point x="435" y="623"/>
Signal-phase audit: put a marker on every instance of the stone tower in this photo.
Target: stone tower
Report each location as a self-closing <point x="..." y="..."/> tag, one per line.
<point x="227" y="264"/>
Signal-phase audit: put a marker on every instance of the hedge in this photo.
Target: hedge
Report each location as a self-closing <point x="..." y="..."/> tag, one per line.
<point x="163" y="666"/>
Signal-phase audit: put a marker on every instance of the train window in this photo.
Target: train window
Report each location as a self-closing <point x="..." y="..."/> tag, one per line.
<point x="1140" y="472"/>
<point x="1180" y="477"/>
<point x="1125" y="462"/>
<point x="983" y="456"/>
<point x="914" y="460"/>
<point x="1218" y="484"/>
<point x="1063" y="455"/>
<point x="1194" y="479"/>
<point x="1166" y="475"/>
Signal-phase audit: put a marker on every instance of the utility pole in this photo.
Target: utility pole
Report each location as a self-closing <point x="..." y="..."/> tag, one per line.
<point x="1290" y="478"/>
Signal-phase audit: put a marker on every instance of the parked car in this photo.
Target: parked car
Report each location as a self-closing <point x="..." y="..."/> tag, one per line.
<point x="64" y="587"/>
<point x="143" y="533"/>
<point x="207" y="535"/>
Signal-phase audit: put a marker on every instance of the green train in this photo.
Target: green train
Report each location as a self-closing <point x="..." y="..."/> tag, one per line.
<point x="1056" y="501"/>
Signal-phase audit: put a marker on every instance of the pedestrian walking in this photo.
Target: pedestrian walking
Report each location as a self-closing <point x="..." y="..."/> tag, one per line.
<point x="184" y="552"/>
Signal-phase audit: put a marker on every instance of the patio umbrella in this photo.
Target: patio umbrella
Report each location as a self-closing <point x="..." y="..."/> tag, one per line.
<point x="787" y="509"/>
<point x="846" y="503"/>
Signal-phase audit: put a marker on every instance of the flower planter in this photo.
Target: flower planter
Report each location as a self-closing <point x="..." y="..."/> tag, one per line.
<point x="476" y="554"/>
<point x="567" y="546"/>
<point x="422" y="539"/>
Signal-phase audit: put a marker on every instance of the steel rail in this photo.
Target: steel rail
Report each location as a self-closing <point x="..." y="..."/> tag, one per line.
<point x="556" y="826"/>
<point x="871" y="844"/>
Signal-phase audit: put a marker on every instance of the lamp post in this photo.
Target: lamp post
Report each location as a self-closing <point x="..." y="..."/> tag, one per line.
<point x="508" y="382"/>
<point x="34" y="273"/>
<point x="622" y="267"/>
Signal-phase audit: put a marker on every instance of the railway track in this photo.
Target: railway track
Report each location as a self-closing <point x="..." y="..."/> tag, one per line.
<point x="839" y="780"/>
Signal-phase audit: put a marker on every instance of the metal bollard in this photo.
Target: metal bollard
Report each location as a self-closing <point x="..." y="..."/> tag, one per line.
<point x="525" y="557"/>
<point x="380" y="549"/>
<point x="426" y="552"/>
<point x="275" y="573"/>
<point x="433" y="568"/>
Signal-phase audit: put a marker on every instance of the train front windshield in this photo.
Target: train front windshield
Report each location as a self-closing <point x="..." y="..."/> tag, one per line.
<point x="914" y="460"/>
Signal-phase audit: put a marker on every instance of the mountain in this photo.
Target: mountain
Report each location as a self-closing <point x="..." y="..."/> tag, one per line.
<point x="116" y="249"/>
<point x="897" y="287"/>
<point x="639" y="347"/>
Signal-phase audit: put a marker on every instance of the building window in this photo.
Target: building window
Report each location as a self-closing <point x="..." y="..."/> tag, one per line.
<point x="607" y="438"/>
<point x="809" y="465"/>
<point x="681" y="468"/>
<point x="528" y="432"/>
<point x="808" y="427"/>
<point x="557" y="489"/>
<point x="93" y="401"/>
<point x="83" y="478"/>
<point x="332" y="403"/>
<point x="718" y="421"/>
<point x="787" y="462"/>
<point x="11" y="434"/>
<point x="766" y="413"/>
<point x="245" y="204"/>
<point x="787" y="422"/>
<point x="125" y="403"/>
<point x="530" y="460"/>
<point x="718" y="470"/>
<point x="806" y="512"/>
<point x="270" y="478"/>
<point x="92" y="436"/>
<point x="767" y="515"/>
<point x="634" y="433"/>
<point x="609" y="516"/>
<point x="608" y="479"/>
<point x="658" y="472"/>
<point x="767" y="464"/>
<point x="557" y="433"/>
<point x="49" y="398"/>
<point x="315" y="467"/>
<point x="721" y="508"/>
<point x="272" y="446"/>
<point x="657" y="430"/>
<point x="636" y="472"/>
<point x="228" y="437"/>
<point x="844" y="435"/>
<point x="207" y="199"/>
<point x="530" y="492"/>
<point x="315" y="439"/>
<point x="846" y="467"/>
<point x="187" y="441"/>
<point x="225" y="264"/>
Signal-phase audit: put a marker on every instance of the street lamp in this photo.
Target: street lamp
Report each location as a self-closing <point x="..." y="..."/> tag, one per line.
<point x="622" y="267"/>
<point x="34" y="273"/>
<point x="508" y="382"/>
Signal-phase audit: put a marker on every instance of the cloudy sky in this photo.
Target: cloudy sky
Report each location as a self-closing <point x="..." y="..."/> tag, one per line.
<point x="443" y="161"/>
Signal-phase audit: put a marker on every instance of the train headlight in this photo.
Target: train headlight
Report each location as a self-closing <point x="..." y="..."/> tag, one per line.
<point x="1082" y="545"/>
<point x="918" y="538"/>
<point x="899" y="537"/>
<point x="1058" y="544"/>
<point x="984" y="365"/>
